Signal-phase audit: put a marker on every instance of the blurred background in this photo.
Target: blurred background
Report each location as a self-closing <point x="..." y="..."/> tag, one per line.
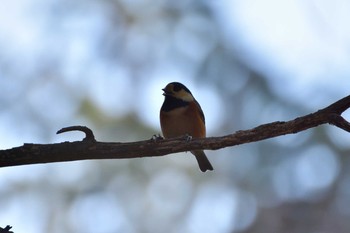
<point x="103" y="63"/>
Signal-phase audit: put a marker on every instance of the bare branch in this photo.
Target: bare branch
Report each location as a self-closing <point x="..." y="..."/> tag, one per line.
<point x="6" y="229"/>
<point x="89" y="135"/>
<point x="89" y="148"/>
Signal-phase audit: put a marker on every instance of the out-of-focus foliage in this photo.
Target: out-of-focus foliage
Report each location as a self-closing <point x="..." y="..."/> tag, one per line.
<point x="102" y="64"/>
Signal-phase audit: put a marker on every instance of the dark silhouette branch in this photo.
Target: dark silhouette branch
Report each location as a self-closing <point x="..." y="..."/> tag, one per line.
<point x="89" y="148"/>
<point x="89" y="135"/>
<point x="6" y="229"/>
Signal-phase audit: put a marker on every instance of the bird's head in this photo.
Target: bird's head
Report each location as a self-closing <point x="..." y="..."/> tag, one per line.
<point x="179" y="91"/>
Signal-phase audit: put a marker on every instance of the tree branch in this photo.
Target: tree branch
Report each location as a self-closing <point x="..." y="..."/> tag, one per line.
<point x="6" y="229"/>
<point x="89" y="148"/>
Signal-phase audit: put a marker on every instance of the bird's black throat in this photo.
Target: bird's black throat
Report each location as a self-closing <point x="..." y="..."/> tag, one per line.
<point x="171" y="103"/>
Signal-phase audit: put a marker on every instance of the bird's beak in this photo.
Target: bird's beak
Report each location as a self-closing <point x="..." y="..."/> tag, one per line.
<point x="165" y="92"/>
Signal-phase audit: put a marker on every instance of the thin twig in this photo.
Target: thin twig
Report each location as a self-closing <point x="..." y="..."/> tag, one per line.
<point x="89" y="135"/>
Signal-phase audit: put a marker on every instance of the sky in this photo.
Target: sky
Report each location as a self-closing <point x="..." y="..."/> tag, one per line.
<point x="309" y="41"/>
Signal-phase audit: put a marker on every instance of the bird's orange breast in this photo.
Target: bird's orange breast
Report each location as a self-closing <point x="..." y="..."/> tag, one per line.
<point x="183" y="120"/>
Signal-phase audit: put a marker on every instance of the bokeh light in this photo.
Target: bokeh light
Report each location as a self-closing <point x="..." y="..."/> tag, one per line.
<point x="103" y="64"/>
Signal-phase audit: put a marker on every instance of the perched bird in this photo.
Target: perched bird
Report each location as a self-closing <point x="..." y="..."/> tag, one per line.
<point x="182" y="115"/>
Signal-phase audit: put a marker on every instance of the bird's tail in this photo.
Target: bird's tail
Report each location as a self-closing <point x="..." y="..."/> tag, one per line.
<point x="202" y="160"/>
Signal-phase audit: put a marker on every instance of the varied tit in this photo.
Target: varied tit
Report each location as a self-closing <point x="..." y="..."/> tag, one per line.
<point x="182" y="115"/>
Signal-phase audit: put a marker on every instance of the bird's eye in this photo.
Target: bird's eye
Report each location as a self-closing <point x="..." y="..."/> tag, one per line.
<point x="176" y="88"/>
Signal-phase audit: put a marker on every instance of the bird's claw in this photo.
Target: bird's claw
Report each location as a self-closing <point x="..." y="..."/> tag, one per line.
<point x="188" y="137"/>
<point x="156" y="137"/>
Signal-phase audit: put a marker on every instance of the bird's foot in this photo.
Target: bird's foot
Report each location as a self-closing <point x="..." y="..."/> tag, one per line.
<point x="156" y="138"/>
<point x="188" y="137"/>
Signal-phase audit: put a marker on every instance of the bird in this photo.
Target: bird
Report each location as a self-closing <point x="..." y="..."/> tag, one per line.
<point x="181" y="115"/>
